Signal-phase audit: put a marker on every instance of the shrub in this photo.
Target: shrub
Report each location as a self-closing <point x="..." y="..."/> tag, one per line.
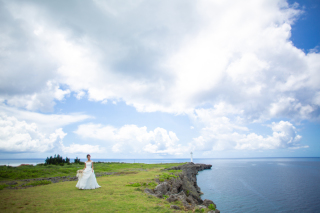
<point x="166" y="176"/>
<point x="77" y="160"/>
<point x="56" y="160"/>
<point x="212" y="207"/>
<point x="2" y="186"/>
<point x="152" y="184"/>
<point x="187" y="192"/>
<point x="134" y="184"/>
<point x="174" y="171"/>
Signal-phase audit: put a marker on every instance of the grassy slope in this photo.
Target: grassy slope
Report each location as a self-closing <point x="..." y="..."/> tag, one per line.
<point x="113" y="196"/>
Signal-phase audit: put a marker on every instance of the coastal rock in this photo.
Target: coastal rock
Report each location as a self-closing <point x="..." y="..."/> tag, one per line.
<point x="162" y="188"/>
<point x="216" y="211"/>
<point x="208" y="202"/>
<point x="148" y="191"/>
<point x="172" y="198"/>
<point x="201" y="207"/>
<point x="174" y="207"/>
<point x="183" y="188"/>
<point x="188" y="179"/>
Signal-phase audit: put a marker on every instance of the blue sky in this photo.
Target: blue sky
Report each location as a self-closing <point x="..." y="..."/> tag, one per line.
<point x="158" y="79"/>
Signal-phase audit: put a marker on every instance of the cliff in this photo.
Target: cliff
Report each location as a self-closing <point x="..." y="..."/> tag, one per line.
<point x="183" y="188"/>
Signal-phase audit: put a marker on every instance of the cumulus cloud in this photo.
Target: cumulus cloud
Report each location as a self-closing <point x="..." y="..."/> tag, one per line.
<point x="227" y="63"/>
<point x="43" y="100"/>
<point x="222" y="128"/>
<point x="133" y="139"/>
<point x="19" y="136"/>
<point x="45" y="122"/>
<point x="215" y="138"/>
<point x="82" y="148"/>
<point x="166" y="62"/>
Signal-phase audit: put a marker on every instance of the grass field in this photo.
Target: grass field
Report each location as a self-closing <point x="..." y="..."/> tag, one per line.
<point x="44" y="171"/>
<point x="115" y="195"/>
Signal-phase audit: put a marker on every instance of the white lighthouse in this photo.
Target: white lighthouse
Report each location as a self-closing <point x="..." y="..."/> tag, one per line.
<point x="191" y="157"/>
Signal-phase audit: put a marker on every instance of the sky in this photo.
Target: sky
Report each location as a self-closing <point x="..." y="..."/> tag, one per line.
<point x="159" y="79"/>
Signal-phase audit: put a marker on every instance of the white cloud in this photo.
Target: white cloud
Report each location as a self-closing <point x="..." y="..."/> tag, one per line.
<point x="19" y="136"/>
<point x="82" y="148"/>
<point x="45" y="122"/>
<point x="42" y="100"/>
<point x="223" y="137"/>
<point x="230" y="51"/>
<point x="291" y="107"/>
<point x="223" y="63"/>
<point x="133" y="139"/>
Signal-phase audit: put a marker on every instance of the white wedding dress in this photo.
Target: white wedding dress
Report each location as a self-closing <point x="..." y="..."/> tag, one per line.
<point x="88" y="179"/>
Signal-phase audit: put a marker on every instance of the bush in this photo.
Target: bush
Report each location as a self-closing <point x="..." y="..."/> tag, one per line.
<point x="166" y="176"/>
<point x="2" y="186"/>
<point x="212" y="207"/>
<point x="77" y="160"/>
<point x="152" y="184"/>
<point x="134" y="184"/>
<point x="174" y="171"/>
<point x="56" y="160"/>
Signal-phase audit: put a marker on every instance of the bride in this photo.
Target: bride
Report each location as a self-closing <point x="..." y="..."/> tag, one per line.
<point x="87" y="180"/>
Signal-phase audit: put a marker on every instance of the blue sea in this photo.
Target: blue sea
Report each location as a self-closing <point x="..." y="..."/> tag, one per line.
<point x="263" y="185"/>
<point x="248" y="185"/>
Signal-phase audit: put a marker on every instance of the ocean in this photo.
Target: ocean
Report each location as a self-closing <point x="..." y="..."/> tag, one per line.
<point x="255" y="185"/>
<point x="262" y="185"/>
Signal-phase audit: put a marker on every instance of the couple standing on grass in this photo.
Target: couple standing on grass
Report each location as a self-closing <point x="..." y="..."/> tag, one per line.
<point x="87" y="178"/>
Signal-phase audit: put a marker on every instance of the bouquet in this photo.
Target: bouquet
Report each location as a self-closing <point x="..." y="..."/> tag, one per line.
<point x="79" y="174"/>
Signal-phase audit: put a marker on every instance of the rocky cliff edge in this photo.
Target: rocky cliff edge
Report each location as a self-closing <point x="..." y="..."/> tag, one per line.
<point x="183" y="188"/>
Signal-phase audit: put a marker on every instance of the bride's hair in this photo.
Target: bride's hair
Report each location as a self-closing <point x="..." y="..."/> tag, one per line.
<point x="88" y="155"/>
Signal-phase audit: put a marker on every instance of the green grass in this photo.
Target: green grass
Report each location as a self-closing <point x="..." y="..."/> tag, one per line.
<point x="166" y="176"/>
<point x="2" y="186"/>
<point x="212" y="207"/>
<point x="113" y="196"/>
<point x="42" y="171"/>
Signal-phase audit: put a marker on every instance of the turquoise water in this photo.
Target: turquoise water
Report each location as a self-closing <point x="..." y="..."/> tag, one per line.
<point x="248" y="185"/>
